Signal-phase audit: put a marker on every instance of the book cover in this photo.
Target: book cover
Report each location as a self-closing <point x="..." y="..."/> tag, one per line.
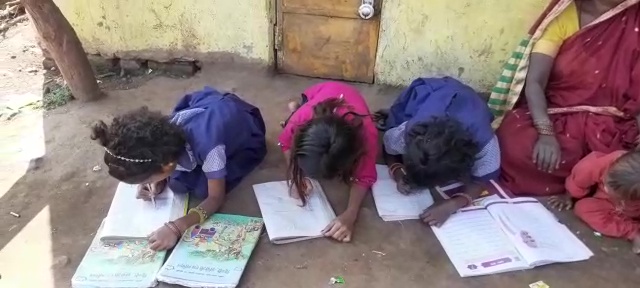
<point x="213" y="254"/>
<point x="123" y="264"/>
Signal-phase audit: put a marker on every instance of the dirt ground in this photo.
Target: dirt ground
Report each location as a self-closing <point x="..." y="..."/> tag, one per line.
<point x="46" y="161"/>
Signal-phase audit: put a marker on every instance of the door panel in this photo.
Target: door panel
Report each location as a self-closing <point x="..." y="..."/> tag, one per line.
<point x="326" y="39"/>
<point x="336" y="8"/>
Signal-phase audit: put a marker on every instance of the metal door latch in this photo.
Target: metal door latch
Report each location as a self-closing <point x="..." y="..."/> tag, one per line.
<point x="366" y="9"/>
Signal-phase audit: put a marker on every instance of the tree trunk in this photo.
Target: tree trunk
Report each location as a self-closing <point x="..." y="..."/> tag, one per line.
<point x="65" y="48"/>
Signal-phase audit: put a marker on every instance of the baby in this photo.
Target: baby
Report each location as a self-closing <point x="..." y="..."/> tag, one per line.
<point x="614" y="208"/>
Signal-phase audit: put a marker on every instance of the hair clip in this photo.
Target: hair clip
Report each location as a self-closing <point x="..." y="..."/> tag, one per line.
<point x="126" y="159"/>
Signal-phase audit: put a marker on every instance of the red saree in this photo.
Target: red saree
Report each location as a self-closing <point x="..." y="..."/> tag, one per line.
<point x="597" y="67"/>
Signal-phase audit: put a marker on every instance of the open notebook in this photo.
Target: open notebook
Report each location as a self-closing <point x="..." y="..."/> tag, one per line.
<point x="213" y="254"/>
<point x="122" y="264"/>
<point x="131" y="218"/>
<point x="503" y="235"/>
<point x="285" y="220"/>
<point x="394" y="206"/>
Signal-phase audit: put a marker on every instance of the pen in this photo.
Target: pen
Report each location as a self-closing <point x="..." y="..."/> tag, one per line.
<point x="153" y="196"/>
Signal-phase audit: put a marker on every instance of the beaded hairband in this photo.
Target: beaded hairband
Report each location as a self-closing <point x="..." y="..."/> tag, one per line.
<point x="126" y="159"/>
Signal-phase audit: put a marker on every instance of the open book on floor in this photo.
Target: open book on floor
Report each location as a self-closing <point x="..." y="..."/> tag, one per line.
<point x="394" y="206"/>
<point x="121" y="264"/>
<point x="131" y="218"/>
<point x="285" y="219"/>
<point x="505" y="235"/>
<point x="213" y="254"/>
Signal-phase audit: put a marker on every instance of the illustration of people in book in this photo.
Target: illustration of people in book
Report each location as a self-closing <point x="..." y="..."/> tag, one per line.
<point x="129" y="252"/>
<point x="223" y="241"/>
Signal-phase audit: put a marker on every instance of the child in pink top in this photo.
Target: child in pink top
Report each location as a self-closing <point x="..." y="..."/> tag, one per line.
<point x="331" y="135"/>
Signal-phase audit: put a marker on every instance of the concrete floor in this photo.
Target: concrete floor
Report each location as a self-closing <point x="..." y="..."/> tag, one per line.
<point x="62" y="202"/>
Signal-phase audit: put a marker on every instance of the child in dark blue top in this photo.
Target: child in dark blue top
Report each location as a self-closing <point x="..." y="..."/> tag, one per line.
<point x="438" y="131"/>
<point x="210" y="142"/>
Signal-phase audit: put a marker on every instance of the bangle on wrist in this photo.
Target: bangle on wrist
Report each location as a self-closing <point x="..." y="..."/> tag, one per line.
<point x="466" y="197"/>
<point x="201" y="213"/>
<point x="544" y="127"/>
<point x="173" y="227"/>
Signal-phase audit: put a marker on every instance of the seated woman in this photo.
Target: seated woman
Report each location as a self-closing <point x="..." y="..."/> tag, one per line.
<point x="439" y="132"/>
<point x="210" y="142"/>
<point x="582" y="94"/>
<point x="330" y="135"/>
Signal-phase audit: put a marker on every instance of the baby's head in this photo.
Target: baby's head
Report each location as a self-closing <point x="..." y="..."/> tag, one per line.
<point x="141" y="146"/>
<point x="439" y="152"/>
<point x="326" y="147"/>
<point x="623" y="178"/>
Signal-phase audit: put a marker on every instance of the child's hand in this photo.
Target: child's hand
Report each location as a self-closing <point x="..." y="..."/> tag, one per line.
<point x="401" y="185"/>
<point x="560" y="202"/>
<point x="437" y="214"/>
<point x="341" y="228"/>
<point x="307" y="186"/>
<point x="145" y="191"/>
<point x="163" y="239"/>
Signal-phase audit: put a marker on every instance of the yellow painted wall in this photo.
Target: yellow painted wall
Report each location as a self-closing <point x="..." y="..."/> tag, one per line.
<point x="470" y="39"/>
<point x="165" y="29"/>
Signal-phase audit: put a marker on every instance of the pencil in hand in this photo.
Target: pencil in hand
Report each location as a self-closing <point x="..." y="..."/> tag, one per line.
<point x="152" y="195"/>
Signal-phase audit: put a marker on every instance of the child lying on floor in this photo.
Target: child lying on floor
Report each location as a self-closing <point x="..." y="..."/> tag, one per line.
<point x="205" y="148"/>
<point x="330" y="135"/>
<point x="614" y="209"/>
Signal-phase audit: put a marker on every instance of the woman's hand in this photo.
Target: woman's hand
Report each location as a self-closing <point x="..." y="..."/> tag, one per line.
<point x="546" y="153"/>
<point x="341" y="228"/>
<point x="437" y="214"/>
<point x="146" y="191"/>
<point x="162" y="239"/>
<point x="561" y="202"/>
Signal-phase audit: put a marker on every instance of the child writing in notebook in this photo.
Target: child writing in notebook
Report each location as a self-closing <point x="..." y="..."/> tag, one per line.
<point x="614" y="208"/>
<point x="330" y="135"/>
<point x="209" y="143"/>
<point x="438" y="132"/>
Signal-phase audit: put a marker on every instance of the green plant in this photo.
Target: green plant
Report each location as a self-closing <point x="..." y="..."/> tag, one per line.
<point x="56" y="97"/>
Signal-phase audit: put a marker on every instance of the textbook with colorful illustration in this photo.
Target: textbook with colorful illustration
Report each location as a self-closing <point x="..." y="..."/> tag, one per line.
<point x="131" y="218"/>
<point x="286" y="219"/>
<point x="213" y="254"/>
<point x="500" y="235"/>
<point x="122" y="264"/>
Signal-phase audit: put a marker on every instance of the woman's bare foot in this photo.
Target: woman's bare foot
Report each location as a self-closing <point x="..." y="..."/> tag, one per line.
<point x="636" y="244"/>
<point x="293" y="106"/>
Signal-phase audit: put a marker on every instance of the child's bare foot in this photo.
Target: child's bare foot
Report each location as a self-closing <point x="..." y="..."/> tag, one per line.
<point x="636" y="244"/>
<point x="380" y="117"/>
<point x="293" y="106"/>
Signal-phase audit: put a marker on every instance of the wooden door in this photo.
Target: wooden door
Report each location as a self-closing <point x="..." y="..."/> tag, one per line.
<point x="326" y="39"/>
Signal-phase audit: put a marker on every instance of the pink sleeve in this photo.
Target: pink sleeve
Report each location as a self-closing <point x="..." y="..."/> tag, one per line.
<point x="588" y="172"/>
<point x="365" y="174"/>
<point x="301" y="116"/>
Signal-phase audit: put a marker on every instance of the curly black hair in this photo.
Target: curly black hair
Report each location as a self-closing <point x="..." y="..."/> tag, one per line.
<point x="141" y="135"/>
<point x="623" y="178"/>
<point x="438" y="152"/>
<point x="326" y="147"/>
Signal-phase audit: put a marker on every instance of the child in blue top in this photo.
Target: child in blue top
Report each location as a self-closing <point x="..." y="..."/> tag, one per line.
<point x="210" y="142"/>
<point x="438" y="131"/>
